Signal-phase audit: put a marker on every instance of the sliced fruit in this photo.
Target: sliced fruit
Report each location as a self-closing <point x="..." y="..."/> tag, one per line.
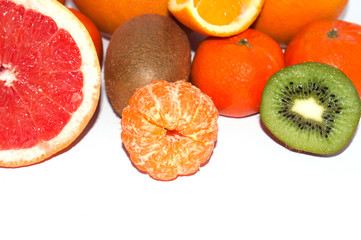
<point x="216" y="17"/>
<point x="312" y="107"/>
<point x="49" y="80"/>
<point x="169" y="129"/>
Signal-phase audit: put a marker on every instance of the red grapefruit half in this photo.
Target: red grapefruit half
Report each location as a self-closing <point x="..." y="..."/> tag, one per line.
<point x="49" y="80"/>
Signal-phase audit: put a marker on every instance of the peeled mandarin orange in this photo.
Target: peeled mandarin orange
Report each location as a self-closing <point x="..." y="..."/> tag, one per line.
<point x="109" y="14"/>
<point x="49" y="80"/>
<point x="283" y="19"/>
<point x="169" y="129"/>
<point x="93" y="31"/>
<point x="234" y="70"/>
<point x="216" y="17"/>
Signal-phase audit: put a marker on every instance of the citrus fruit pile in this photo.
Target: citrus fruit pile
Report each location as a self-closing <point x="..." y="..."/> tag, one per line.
<point x="291" y="61"/>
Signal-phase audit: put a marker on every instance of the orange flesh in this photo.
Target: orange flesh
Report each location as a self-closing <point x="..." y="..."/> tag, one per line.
<point x="219" y="12"/>
<point x="40" y="81"/>
<point x="169" y="129"/>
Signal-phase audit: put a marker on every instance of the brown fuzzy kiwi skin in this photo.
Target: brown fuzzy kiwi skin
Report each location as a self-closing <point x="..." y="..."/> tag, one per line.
<point x="145" y="48"/>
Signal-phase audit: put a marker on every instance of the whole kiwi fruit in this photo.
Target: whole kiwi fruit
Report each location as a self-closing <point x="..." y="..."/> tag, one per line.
<point x="144" y="48"/>
<point x="311" y="107"/>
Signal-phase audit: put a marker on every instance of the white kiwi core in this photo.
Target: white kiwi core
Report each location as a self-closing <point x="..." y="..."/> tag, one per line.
<point x="308" y="108"/>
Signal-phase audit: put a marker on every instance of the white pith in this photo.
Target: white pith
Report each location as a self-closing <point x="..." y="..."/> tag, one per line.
<point x="7" y="75"/>
<point x="309" y="109"/>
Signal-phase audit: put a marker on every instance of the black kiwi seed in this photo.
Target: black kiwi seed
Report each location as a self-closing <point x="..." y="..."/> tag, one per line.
<point x="309" y="89"/>
<point x="312" y="107"/>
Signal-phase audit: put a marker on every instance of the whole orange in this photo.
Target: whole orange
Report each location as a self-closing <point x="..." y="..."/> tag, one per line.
<point x="234" y="70"/>
<point x="334" y="42"/>
<point x="109" y="14"/>
<point x="93" y="32"/>
<point x="282" y="19"/>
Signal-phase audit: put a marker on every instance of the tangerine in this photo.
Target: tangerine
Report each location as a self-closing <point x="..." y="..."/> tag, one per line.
<point x="234" y="70"/>
<point x="109" y="14"/>
<point x="216" y="17"/>
<point x="169" y="129"/>
<point x="283" y="19"/>
<point x="334" y="42"/>
<point x="49" y="80"/>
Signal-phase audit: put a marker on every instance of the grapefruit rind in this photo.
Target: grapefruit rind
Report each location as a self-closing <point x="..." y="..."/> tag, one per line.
<point x="91" y="87"/>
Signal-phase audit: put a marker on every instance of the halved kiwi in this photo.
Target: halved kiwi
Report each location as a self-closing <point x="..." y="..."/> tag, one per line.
<point x="312" y="107"/>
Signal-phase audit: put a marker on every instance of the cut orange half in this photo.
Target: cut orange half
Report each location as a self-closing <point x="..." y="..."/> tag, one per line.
<point x="216" y="17"/>
<point x="49" y="80"/>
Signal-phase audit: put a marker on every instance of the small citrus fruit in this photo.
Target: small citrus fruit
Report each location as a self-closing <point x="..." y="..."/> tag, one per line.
<point x="216" y="17"/>
<point x="334" y="42"/>
<point x="93" y="31"/>
<point x="169" y="129"/>
<point x="49" y="80"/>
<point x="234" y="70"/>
<point x="109" y="14"/>
<point x="283" y="19"/>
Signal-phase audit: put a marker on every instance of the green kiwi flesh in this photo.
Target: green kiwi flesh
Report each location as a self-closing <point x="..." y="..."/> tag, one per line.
<point x="311" y="107"/>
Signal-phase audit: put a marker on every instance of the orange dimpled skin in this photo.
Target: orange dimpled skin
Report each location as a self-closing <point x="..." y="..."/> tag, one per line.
<point x="233" y="71"/>
<point x="283" y="19"/>
<point x="107" y="15"/>
<point x="334" y="42"/>
<point x="169" y="129"/>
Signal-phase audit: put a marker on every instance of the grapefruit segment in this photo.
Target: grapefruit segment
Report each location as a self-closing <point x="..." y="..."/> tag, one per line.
<point x="15" y="133"/>
<point x="49" y="80"/>
<point x="64" y="88"/>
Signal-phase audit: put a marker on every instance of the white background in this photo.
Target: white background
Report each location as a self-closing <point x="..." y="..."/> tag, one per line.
<point x="252" y="188"/>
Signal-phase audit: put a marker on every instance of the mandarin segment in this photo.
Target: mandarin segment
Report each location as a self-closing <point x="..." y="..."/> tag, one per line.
<point x="169" y="129"/>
